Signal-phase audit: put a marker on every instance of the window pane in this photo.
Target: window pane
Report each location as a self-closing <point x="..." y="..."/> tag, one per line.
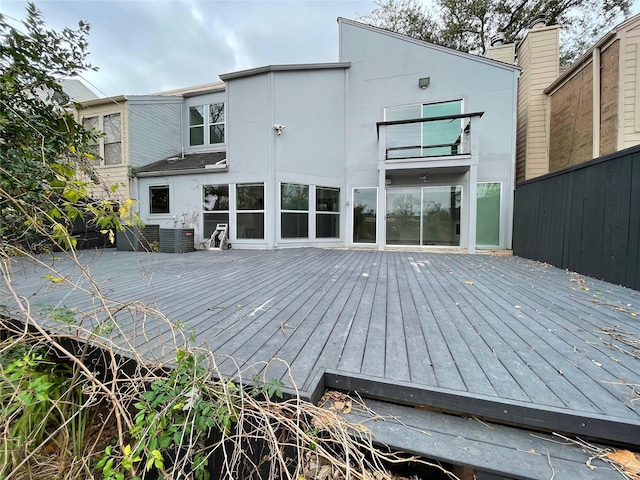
<point x="112" y="128"/>
<point x="294" y="225"/>
<point x="211" y="221"/>
<point x="112" y="154"/>
<point x="216" y="113"/>
<point x="441" y="215"/>
<point x="90" y="123"/>
<point x="488" y="218"/>
<point x="445" y="135"/>
<point x="159" y="197"/>
<point x="215" y="197"/>
<point x="327" y="199"/>
<point x="196" y="136"/>
<point x="92" y="149"/>
<point x="364" y="215"/>
<point x="250" y="196"/>
<point x="196" y="116"/>
<point x="216" y="133"/>
<point x="327" y="225"/>
<point x="403" y="216"/>
<point x="294" y="196"/>
<point x="250" y="225"/>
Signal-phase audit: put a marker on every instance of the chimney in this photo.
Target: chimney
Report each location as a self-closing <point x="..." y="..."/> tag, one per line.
<point x="499" y="51"/>
<point x="538" y="57"/>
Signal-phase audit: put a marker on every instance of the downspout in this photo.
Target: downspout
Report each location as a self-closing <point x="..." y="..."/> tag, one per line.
<point x="595" y="109"/>
<point x="182" y="130"/>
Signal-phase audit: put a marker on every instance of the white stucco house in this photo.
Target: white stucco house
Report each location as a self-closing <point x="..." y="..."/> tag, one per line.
<point x="398" y="143"/>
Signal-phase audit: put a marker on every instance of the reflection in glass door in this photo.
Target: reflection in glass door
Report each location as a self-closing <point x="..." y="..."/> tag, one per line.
<point x="365" y="208"/>
<point x="424" y="216"/>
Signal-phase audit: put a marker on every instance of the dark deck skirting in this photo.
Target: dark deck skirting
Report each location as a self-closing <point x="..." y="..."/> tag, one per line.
<point x="494" y="336"/>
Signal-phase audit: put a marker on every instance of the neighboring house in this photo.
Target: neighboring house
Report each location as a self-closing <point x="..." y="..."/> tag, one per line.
<point x="138" y="129"/>
<point x="76" y="90"/>
<point x="399" y="143"/>
<point x="590" y="109"/>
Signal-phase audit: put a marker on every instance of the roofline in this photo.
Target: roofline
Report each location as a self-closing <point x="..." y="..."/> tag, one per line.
<point x="284" y="68"/>
<point x="575" y="66"/>
<point x="106" y="100"/>
<point x="131" y="99"/>
<point x="194" y="90"/>
<point x="440" y="48"/>
<point x="212" y="168"/>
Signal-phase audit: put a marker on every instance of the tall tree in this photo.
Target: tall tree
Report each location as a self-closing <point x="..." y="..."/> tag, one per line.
<point x="469" y="25"/>
<point x="45" y="176"/>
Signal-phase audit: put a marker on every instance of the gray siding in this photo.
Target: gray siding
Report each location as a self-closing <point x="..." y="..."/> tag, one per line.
<point x="250" y="125"/>
<point x="384" y="72"/>
<point x="154" y="131"/>
<point x="385" y="69"/>
<point x="310" y="104"/>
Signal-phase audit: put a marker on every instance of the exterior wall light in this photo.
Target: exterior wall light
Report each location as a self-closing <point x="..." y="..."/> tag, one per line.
<point x="278" y="129"/>
<point x="423" y="83"/>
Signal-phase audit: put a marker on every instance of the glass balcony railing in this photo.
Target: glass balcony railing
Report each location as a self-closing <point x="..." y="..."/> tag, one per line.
<point x="443" y="136"/>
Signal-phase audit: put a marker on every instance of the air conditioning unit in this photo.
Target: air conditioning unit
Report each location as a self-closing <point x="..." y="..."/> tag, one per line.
<point x="176" y="240"/>
<point x="138" y="239"/>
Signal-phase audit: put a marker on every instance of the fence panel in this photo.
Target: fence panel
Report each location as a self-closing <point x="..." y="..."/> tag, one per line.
<point x="585" y="218"/>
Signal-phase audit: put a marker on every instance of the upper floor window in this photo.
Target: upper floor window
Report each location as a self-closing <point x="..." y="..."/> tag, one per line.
<point x="206" y="124"/>
<point x="108" y="149"/>
<point x="439" y="137"/>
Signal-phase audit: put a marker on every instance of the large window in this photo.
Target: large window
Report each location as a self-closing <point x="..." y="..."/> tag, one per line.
<point x="425" y="139"/>
<point x="327" y="212"/>
<point x="488" y="217"/>
<point x="250" y="210"/>
<point x="108" y="148"/>
<point x="159" y="199"/>
<point x="365" y="208"/>
<point x="206" y="124"/>
<point x="215" y="207"/>
<point x="294" y="210"/>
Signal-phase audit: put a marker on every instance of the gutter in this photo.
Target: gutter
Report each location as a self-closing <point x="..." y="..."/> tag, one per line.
<point x="192" y="171"/>
<point x="284" y="68"/>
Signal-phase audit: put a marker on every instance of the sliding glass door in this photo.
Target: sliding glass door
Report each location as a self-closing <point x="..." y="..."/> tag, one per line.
<point x="424" y="215"/>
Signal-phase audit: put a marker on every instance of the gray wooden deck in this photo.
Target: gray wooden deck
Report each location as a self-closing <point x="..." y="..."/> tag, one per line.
<point x="500" y="337"/>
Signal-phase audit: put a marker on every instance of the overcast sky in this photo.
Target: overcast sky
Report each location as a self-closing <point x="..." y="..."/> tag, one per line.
<point x="146" y="46"/>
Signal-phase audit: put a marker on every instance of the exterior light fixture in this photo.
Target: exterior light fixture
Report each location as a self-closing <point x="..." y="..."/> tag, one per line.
<point x="423" y="83"/>
<point x="424" y="177"/>
<point x="278" y="129"/>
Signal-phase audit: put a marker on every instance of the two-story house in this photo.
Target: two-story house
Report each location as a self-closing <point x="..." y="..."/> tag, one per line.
<point x="398" y="143"/>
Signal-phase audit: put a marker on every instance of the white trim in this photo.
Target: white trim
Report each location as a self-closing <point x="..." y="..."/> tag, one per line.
<point x="160" y="216"/>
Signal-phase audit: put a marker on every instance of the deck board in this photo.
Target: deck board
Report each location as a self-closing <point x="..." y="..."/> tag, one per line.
<point x="442" y="324"/>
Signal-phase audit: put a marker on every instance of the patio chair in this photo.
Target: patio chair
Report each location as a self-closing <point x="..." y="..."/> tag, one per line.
<point x="219" y="238"/>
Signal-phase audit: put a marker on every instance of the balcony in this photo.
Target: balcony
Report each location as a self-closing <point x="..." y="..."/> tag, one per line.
<point x="428" y="138"/>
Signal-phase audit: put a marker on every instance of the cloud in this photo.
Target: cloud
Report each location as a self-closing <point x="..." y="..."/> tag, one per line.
<point x="143" y="47"/>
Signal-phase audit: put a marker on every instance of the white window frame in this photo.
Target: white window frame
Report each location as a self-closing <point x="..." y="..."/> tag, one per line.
<point x="206" y="125"/>
<point x="353" y="225"/>
<point x="204" y="210"/>
<point x="317" y="212"/>
<point x="307" y="211"/>
<point x="500" y="219"/>
<point x="101" y="142"/>
<point x="238" y="211"/>
<point x="168" y="185"/>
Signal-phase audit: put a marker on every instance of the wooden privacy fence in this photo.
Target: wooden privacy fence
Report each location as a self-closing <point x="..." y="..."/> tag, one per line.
<point x="584" y="218"/>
